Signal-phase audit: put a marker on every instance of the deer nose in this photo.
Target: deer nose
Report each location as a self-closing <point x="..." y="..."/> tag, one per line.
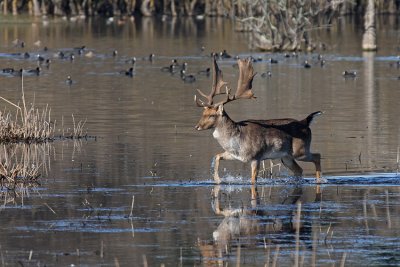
<point x="197" y="127"/>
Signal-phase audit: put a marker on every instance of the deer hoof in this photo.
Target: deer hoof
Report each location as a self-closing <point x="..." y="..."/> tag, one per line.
<point x="217" y="180"/>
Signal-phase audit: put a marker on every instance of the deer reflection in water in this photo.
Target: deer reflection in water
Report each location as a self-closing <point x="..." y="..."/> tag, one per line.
<point x="258" y="226"/>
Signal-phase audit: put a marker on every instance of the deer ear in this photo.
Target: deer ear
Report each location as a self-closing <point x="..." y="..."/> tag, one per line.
<point x="220" y="109"/>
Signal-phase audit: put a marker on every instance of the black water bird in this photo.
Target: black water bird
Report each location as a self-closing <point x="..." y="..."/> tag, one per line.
<point x="69" y="81"/>
<point x="272" y="61"/>
<point x="27" y="55"/>
<point x="224" y="54"/>
<point x="61" y="55"/>
<point x="71" y="57"/>
<point x="206" y="72"/>
<point x="115" y="53"/>
<point x="128" y="72"/>
<point x="18" y="43"/>
<point x="286" y="55"/>
<point x="349" y="74"/>
<point x="17" y="73"/>
<point x="80" y="49"/>
<point x="47" y="63"/>
<point x="306" y="64"/>
<point x="40" y="59"/>
<point x="322" y="62"/>
<point x="132" y="60"/>
<point x="35" y="71"/>
<point x="83" y="47"/>
<point x="266" y="74"/>
<point x="254" y="60"/>
<point x="175" y="62"/>
<point x="171" y="69"/>
<point x="187" y="78"/>
<point x="8" y="70"/>
<point x="151" y="57"/>
<point x="184" y="66"/>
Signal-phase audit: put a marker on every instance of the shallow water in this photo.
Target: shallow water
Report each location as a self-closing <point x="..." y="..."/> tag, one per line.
<point x="146" y="149"/>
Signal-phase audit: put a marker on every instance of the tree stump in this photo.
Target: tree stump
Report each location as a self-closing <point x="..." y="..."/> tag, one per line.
<point x="369" y="37"/>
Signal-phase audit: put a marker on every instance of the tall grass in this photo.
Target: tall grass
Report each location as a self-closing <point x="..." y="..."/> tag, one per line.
<point x="32" y="125"/>
<point x="29" y="125"/>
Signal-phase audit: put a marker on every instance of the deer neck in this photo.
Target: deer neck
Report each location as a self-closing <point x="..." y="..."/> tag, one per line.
<point x="225" y="129"/>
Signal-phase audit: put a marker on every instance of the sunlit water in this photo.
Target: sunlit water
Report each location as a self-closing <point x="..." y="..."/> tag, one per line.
<point x="142" y="190"/>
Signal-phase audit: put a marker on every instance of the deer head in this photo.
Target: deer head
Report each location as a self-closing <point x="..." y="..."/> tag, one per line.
<point x="213" y="112"/>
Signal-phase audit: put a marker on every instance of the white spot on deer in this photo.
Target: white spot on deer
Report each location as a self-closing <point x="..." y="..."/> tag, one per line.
<point x="216" y="134"/>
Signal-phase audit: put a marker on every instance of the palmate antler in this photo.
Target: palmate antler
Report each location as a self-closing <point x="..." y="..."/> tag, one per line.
<point x="243" y="90"/>
<point x="216" y="89"/>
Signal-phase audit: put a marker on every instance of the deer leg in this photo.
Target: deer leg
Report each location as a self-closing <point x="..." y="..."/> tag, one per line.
<point x="291" y="164"/>
<point x="217" y="209"/>
<point x="318" y="193"/>
<point x="316" y="159"/>
<point x="217" y="158"/>
<point x="317" y="162"/>
<point x="254" y="196"/>
<point x="255" y="166"/>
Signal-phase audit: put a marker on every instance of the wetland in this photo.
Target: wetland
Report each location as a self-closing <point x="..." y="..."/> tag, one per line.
<point x="141" y="193"/>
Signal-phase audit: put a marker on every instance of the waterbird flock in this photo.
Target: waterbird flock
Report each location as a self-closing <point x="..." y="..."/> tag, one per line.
<point x="46" y="57"/>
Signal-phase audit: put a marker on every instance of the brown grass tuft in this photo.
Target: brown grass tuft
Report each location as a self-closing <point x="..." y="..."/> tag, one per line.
<point x="32" y="125"/>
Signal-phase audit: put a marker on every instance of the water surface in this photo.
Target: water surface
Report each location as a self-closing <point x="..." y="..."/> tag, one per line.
<point x="146" y="149"/>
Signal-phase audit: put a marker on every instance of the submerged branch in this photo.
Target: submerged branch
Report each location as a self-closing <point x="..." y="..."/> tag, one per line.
<point x="285" y="25"/>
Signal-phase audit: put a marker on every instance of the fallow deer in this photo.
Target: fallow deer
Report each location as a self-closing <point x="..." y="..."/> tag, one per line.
<point x="254" y="140"/>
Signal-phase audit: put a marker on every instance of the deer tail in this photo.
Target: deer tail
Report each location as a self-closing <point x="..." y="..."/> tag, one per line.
<point x="310" y="117"/>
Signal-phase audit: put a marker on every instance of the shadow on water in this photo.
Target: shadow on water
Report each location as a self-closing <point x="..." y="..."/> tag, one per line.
<point x="142" y="193"/>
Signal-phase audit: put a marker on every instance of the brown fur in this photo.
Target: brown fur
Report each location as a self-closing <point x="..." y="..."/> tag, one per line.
<point x="256" y="140"/>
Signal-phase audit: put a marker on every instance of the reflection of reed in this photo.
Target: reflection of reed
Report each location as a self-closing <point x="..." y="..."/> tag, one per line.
<point x="21" y="166"/>
<point x="268" y="172"/>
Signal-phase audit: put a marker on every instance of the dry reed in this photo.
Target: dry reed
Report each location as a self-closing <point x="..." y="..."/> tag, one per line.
<point x="31" y="125"/>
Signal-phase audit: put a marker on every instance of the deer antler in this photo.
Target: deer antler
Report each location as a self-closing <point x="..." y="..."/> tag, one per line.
<point x="245" y="81"/>
<point x="243" y="90"/>
<point x="217" y="85"/>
